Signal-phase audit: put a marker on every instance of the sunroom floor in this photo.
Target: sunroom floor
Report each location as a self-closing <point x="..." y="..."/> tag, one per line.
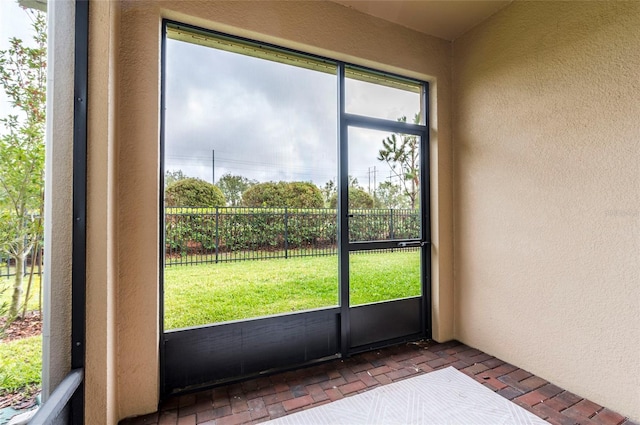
<point x="266" y="398"/>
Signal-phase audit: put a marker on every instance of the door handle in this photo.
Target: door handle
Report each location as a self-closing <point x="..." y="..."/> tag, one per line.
<point x="411" y="243"/>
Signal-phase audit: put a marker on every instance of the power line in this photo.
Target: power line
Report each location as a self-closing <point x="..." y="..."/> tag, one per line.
<point x="242" y="165"/>
<point x="246" y="162"/>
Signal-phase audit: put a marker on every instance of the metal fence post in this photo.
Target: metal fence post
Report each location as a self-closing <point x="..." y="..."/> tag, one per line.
<point x="286" y="233"/>
<point x="391" y="235"/>
<point x="217" y="233"/>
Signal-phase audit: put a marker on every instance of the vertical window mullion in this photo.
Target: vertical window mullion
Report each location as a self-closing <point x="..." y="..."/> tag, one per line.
<point x="342" y="211"/>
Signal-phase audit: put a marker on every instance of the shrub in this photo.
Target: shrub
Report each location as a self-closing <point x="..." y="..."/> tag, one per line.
<point x="189" y="230"/>
<point x="269" y="194"/>
<point x="358" y="198"/>
<point x="193" y="192"/>
<point x="303" y="195"/>
<point x="283" y="194"/>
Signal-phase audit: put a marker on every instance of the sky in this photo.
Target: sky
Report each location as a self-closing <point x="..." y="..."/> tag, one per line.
<point x="14" y="22"/>
<point x="268" y="121"/>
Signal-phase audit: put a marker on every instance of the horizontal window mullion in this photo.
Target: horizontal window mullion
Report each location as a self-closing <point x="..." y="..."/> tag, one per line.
<point x="384" y="125"/>
<point x="388" y="244"/>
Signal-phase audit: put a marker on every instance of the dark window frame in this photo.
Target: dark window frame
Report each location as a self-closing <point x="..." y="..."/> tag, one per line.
<point x="344" y="121"/>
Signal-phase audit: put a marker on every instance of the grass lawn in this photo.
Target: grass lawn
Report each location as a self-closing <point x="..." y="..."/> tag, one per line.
<point x="6" y="291"/>
<point x="20" y="363"/>
<point x="209" y="293"/>
<point x="21" y="359"/>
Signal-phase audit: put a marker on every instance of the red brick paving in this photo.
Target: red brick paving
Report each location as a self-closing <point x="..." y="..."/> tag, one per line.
<point x="606" y="417"/>
<point x="268" y="398"/>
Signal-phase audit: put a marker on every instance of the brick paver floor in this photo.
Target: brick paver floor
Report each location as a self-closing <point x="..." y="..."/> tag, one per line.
<point x="265" y="398"/>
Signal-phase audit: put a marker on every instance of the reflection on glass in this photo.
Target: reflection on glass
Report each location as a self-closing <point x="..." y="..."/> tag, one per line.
<point x="384" y="192"/>
<point x="383" y="275"/>
<point x="377" y="96"/>
<point x="256" y="128"/>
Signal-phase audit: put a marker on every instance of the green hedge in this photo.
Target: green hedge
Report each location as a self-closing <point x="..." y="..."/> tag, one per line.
<point x="201" y="230"/>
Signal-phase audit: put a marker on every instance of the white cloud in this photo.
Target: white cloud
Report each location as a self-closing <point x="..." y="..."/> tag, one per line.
<point x="266" y="121"/>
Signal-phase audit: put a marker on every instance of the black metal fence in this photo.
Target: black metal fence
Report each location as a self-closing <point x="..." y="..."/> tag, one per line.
<point x="212" y="235"/>
<point x="7" y="264"/>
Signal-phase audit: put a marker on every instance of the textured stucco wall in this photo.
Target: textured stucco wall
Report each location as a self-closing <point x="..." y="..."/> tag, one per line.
<point x="56" y="332"/>
<point x="123" y="307"/>
<point x="102" y="229"/>
<point x="547" y="194"/>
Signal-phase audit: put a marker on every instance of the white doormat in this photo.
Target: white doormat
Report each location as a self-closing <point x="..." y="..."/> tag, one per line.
<point x="446" y="396"/>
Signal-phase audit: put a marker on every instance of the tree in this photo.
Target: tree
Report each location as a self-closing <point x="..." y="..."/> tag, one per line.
<point x="389" y="195"/>
<point x="233" y="187"/>
<point x="402" y="155"/>
<point x="171" y="177"/>
<point x="192" y="192"/>
<point x="330" y="189"/>
<point x="23" y="78"/>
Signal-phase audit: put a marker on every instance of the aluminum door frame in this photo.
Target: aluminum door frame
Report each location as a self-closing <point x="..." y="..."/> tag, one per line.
<point x="413" y="314"/>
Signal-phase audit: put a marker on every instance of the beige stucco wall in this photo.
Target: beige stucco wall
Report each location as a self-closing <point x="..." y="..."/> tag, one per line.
<point x="123" y="301"/>
<point x="101" y="367"/>
<point x="547" y="194"/>
<point x="56" y="332"/>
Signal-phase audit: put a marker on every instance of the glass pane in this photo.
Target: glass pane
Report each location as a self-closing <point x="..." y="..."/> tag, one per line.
<point x="378" y="96"/>
<point x="256" y="128"/>
<point x="383" y="275"/>
<point x="384" y="192"/>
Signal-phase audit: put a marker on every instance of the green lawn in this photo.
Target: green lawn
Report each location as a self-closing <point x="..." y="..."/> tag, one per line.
<point x="6" y="291"/>
<point x="20" y="363"/>
<point x="20" y="360"/>
<point x="209" y="293"/>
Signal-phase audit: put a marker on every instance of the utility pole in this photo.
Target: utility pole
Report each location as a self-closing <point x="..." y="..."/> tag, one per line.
<point x="369" y="175"/>
<point x="213" y="166"/>
<point x="374" y="184"/>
